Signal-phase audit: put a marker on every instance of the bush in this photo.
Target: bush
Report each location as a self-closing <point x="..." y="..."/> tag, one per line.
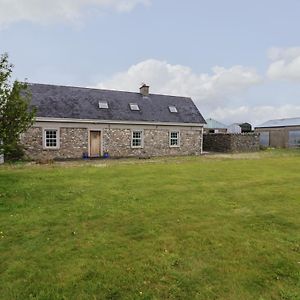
<point x="13" y="152"/>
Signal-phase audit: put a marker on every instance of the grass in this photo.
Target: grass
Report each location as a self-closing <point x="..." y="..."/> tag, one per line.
<point x="215" y="227"/>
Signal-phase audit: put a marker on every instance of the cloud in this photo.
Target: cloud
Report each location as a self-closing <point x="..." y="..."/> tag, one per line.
<point x="256" y="115"/>
<point x="47" y="11"/>
<point x="285" y="65"/>
<point x="206" y="89"/>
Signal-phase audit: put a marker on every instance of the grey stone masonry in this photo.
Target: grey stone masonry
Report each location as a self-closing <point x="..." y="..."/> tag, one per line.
<point x="73" y="141"/>
<point x="220" y="142"/>
<point x="156" y="143"/>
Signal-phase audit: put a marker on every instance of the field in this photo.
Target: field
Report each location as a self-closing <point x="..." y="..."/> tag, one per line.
<point x="215" y="227"/>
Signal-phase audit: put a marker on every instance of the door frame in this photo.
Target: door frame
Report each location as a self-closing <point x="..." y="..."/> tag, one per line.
<point x="89" y="141"/>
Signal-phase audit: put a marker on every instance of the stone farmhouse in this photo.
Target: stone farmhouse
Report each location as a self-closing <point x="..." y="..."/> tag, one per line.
<point x="75" y="122"/>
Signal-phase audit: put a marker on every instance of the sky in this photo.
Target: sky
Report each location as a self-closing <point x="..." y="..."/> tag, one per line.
<point x="238" y="60"/>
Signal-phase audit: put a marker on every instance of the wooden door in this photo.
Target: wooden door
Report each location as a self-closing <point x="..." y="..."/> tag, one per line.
<point x="95" y="143"/>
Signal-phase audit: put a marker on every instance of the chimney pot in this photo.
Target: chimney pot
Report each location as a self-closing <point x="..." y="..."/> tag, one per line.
<point x="144" y="90"/>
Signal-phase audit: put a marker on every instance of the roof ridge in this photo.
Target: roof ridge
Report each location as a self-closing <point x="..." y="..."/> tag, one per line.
<point x="281" y="119"/>
<point x="108" y="90"/>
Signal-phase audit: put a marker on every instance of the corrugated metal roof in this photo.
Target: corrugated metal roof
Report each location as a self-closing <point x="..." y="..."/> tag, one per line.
<point x="281" y="123"/>
<point x="83" y="103"/>
<point x="212" y="124"/>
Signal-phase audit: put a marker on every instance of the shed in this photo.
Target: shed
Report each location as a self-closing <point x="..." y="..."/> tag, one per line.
<point x="280" y="133"/>
<point x="214" y="126"/>
<point x="234" y="128"/>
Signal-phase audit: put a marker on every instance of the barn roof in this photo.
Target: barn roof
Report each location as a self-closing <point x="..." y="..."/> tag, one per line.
<point x="211" y="124"/>
<point x="53" y="101"/>
<point x="280" y="123"/>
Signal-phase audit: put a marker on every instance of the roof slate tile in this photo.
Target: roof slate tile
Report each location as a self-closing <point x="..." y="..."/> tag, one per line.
<point x="54" y="101"/>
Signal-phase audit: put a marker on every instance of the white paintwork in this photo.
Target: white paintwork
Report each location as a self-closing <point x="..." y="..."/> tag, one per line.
<point x="178" y="138"/>
<point x="57" y="139"/>
<point x="142" y="139"/>
<point x="234" y="128"/>
<point x="91" y="121"/>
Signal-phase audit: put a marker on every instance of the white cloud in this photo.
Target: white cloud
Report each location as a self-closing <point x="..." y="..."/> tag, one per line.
<point x="45" y="11"/>
<point x="285" y="65"/>
<point x="205" y="89"/>
<point x="256" y="115"/>
<point x="218" y="95"/>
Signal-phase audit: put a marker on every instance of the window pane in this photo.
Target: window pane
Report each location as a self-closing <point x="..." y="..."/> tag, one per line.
<point x="294" y="138"/>
<point x="51" y="138"/>
<point x="137" y="138"/>
<point x="264" y="139"/>
<point x="134" y="106"/>
<point x="103" y="104"/>
<point x="174" y="138"/>
<point x="174" y="142"/>
<point x="173" y="109"/>
<point x="136" y="142"/>
<point x="137" y="135"/>
<point x="174" y="135"/>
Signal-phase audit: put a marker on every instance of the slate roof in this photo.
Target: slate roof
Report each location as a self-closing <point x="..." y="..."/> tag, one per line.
<point x="280" y="123"/>
<point x="54" y="101"/>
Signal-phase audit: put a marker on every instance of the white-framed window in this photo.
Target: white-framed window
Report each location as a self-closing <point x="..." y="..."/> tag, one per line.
<point x="173" y="109"/>
<point x="137" y="139"/>
<point x="134" y="106"/>
<point x="51" y="138"/>
<point x="174" y="139"/>
<point x="103" y="104"/>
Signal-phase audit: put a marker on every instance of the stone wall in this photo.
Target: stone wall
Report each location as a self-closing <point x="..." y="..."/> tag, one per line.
<point x="116" y="141"/>
<point x="244" y="142"/>
<point x="156" y="143"/>
<point x="73" y="142"/>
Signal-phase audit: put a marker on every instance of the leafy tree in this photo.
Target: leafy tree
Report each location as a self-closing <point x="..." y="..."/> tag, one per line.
<point x="16" y="116"/>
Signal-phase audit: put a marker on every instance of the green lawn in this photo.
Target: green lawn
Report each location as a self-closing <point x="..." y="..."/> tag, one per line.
<point x="225" y="227"/>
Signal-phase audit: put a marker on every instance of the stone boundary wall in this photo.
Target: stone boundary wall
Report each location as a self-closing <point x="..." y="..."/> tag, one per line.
<point x="231" y="143"/>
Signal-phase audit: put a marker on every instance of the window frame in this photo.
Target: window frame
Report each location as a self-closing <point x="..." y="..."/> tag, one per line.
<point x="103" y="105"/>
<point x="134" y="104"/>
<point x="57" y="130"/>
<point x="141" y="138"/>
<point x="292" y="136"/>
<point x="173" y="109"/>
<point x="264" y="138"/>
<point x="178" y="138"/>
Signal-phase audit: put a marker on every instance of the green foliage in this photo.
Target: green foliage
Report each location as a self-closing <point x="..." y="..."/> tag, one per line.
<point x="182" y="228"/>
<point x="14" y="151"/>
<point x="15" y="115"/>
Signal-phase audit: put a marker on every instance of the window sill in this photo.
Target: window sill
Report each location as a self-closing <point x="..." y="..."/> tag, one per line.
<point x="46" y="149"/>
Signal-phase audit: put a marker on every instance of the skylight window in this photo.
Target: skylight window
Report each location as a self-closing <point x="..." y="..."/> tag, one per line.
<point x="134" y="106"/>
<point x="103" y="104"/>
<point x="173" y="109"/>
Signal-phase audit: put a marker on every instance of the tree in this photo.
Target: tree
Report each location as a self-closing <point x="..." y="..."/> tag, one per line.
<point x="16" y="116"/>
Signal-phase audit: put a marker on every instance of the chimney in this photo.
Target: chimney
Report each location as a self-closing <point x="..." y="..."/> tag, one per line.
<point x="144" y="90"/>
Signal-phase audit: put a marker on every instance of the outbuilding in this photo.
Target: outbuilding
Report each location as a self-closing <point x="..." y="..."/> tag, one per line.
<point x="280" y="133"/>
<point x="214" y="126"/>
